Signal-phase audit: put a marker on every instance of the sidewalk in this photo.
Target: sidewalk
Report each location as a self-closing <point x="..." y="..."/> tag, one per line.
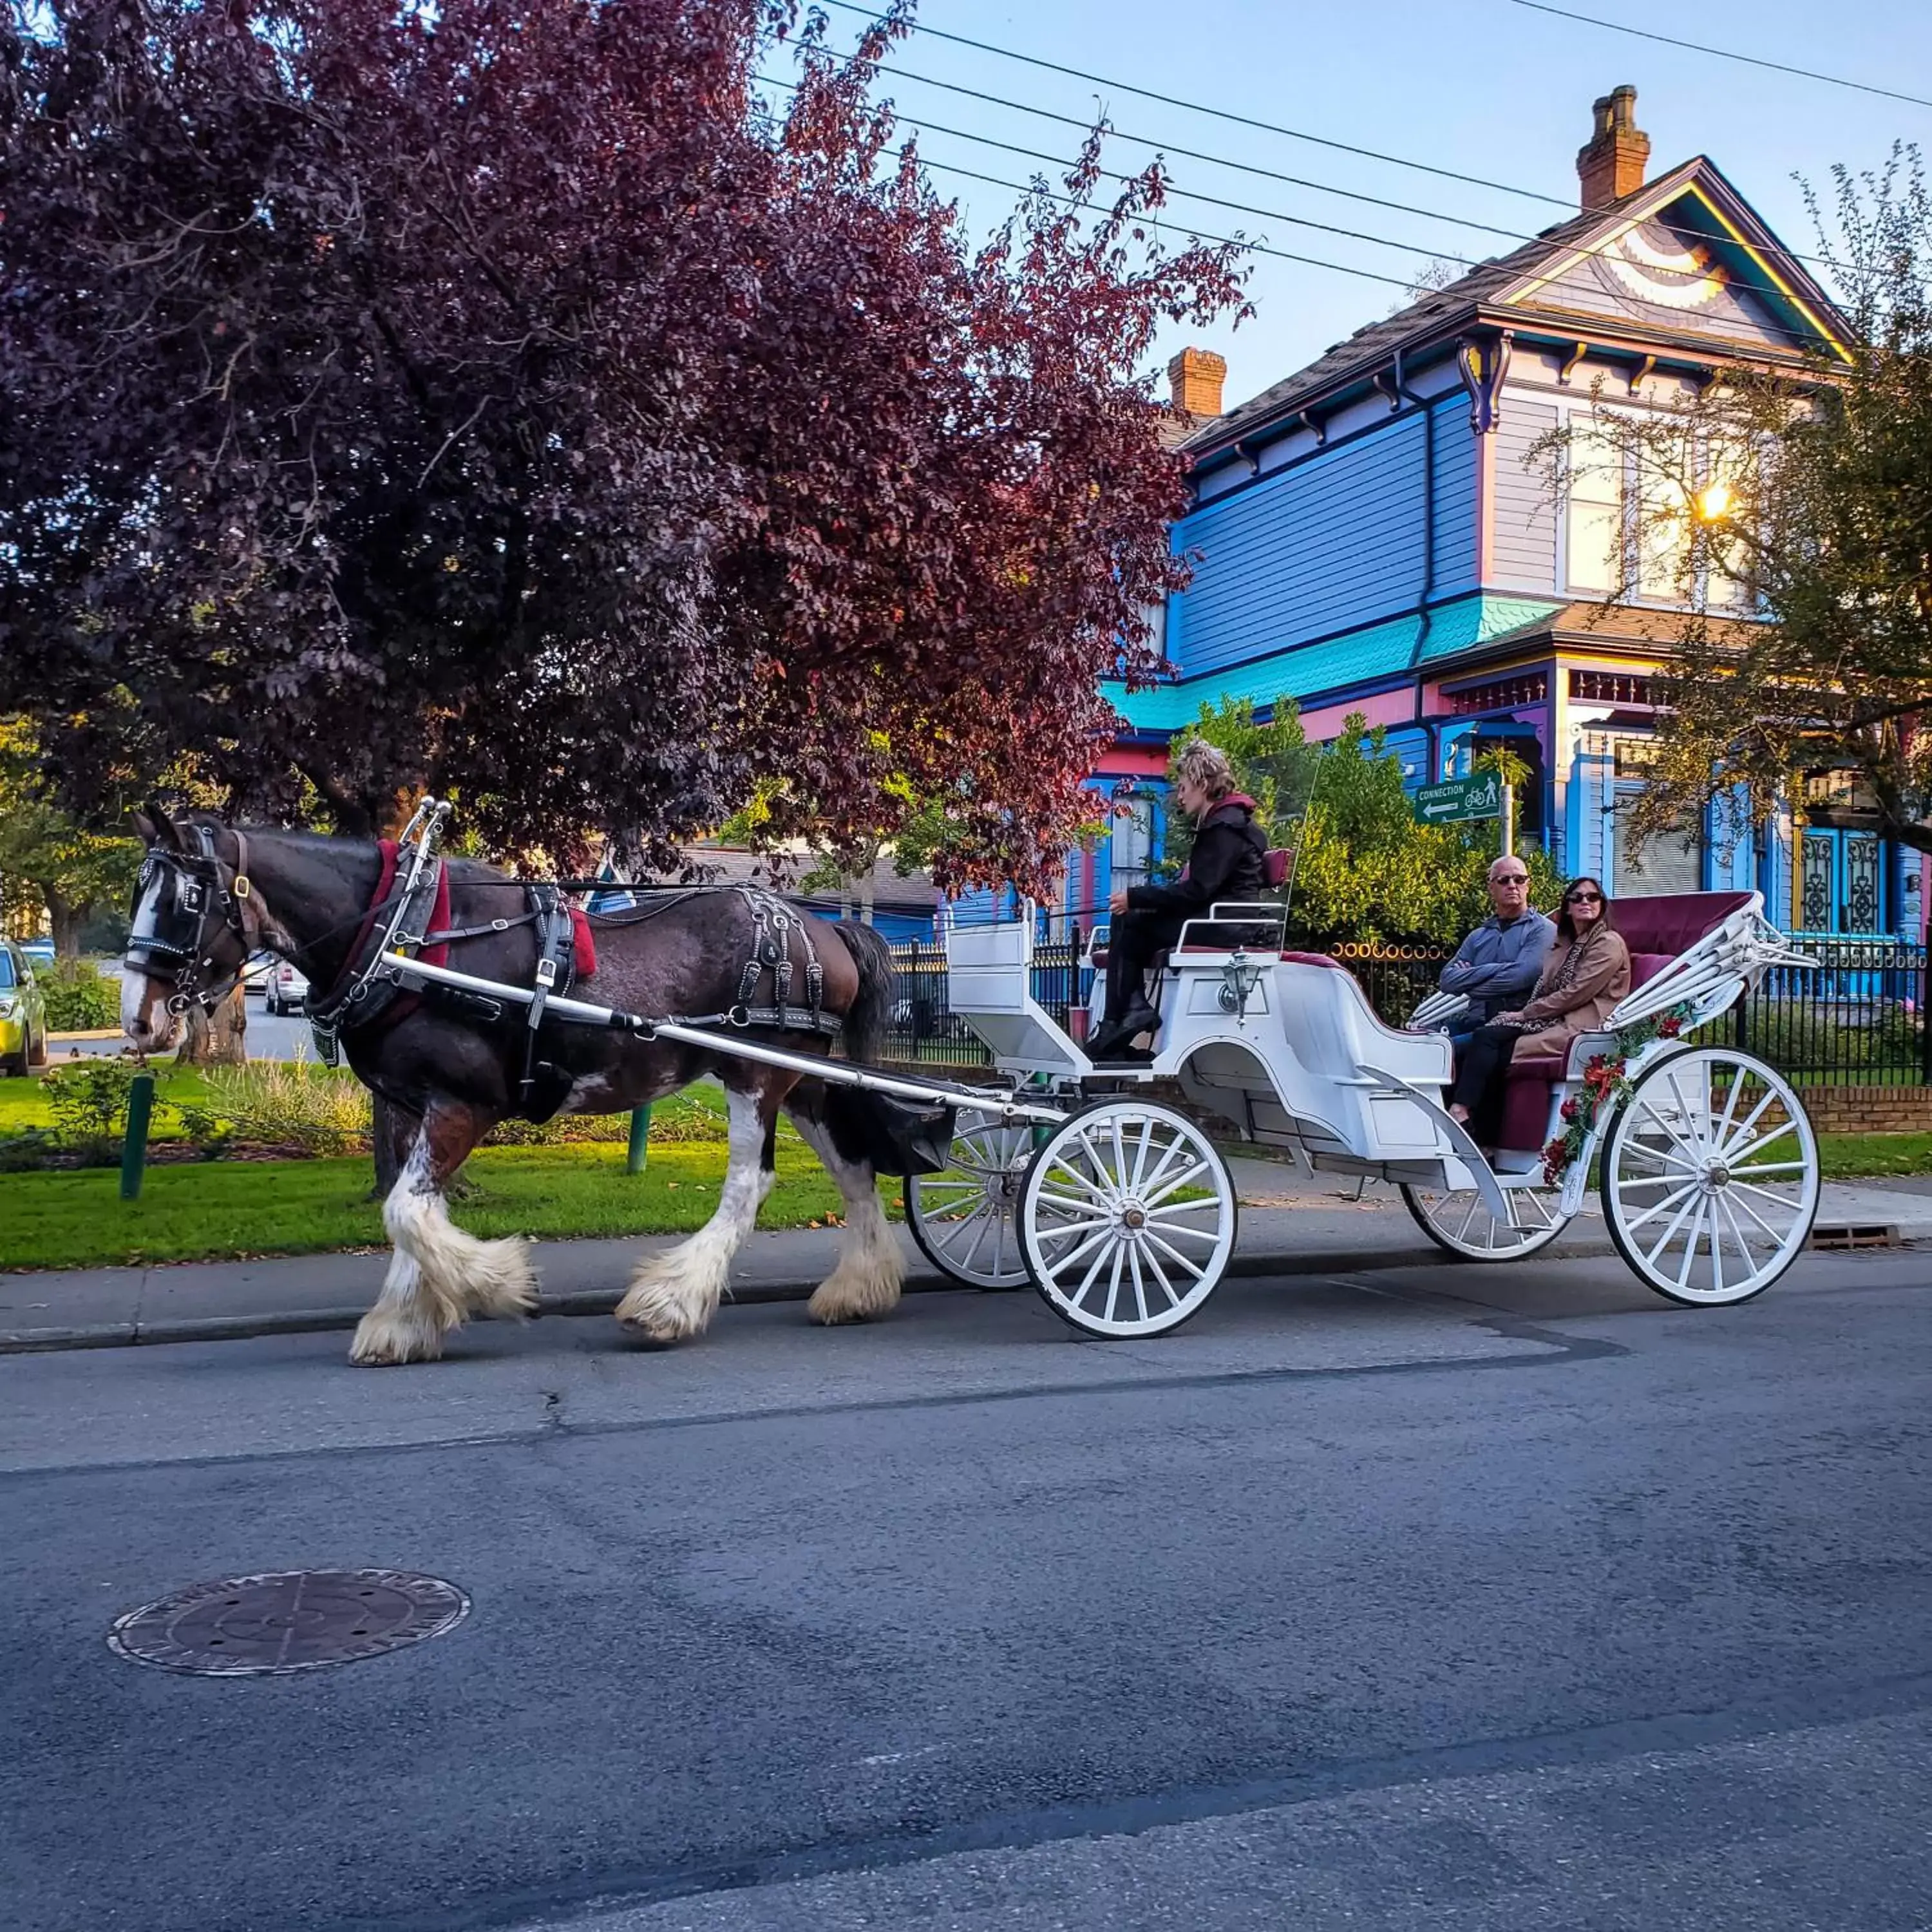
<point x="1288" y="1226"/>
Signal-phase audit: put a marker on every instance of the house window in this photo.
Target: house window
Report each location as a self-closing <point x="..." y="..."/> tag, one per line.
<point x="1595" y="523"/>
<point x="1671" y="862"/>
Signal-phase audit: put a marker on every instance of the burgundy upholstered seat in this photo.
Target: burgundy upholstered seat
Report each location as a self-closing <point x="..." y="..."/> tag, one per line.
<point x="1656" y="931"/>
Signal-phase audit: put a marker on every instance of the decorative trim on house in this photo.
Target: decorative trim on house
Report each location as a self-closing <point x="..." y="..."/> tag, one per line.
<point x="1641" y="373"/>
<point x="1570" y="360"/>
<point x="1611" y="687"/>
<point x="1500" y="694"/>
<point x="1484" y="362"/>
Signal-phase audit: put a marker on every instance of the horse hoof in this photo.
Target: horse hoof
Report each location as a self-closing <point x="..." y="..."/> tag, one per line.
<point x="383" y="1344"/>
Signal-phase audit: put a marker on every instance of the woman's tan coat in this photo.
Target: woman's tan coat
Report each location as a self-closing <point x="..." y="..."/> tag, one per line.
<point x="1603" y="978"/>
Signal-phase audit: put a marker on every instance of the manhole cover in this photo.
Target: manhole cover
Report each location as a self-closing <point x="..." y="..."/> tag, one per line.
<point x="293" y="1620"/>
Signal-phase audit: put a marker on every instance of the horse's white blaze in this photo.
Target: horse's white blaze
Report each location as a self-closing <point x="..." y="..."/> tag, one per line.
<point x="865" y="1283"/>
<point x="438" y="1276"/>
<point x="676" y="1293"/>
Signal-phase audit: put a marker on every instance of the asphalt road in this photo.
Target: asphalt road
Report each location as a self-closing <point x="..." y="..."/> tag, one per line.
<point x="1450" y="1599"/>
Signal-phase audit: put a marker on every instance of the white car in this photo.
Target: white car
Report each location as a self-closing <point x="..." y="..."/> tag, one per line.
<point x="283" y="987"/>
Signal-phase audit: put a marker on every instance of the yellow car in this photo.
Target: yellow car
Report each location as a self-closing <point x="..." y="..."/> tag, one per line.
<point x="23" y="1013"/>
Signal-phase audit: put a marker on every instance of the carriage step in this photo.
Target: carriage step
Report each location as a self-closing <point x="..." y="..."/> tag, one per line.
<point x="1847" y="1234"/>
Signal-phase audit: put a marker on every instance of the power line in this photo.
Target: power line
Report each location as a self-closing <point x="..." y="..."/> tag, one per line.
<point x="1185" y="194"/>
<point x="1722" y="53"/>
<point x="1796" y="336"/>
<point x="1220" y="241"/>
<point x="1219" y="113"/>
<point x="1198" y="154"/>
<point x="1245" y="167"/>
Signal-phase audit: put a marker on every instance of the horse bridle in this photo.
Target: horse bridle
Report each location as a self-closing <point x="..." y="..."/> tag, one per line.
<point x="172" y="943"/>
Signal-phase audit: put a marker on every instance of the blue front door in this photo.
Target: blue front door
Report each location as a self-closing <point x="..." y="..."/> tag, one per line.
<point x="1841" y="883"/>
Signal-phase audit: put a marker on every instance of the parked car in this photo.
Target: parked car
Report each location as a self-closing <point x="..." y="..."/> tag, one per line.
<point x="39" y="951"/>
<point x="285" y="987"/>
<point x="23" y="1013"/>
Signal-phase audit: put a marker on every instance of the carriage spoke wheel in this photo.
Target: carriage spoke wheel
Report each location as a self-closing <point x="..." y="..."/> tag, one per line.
<point x="1710" y="1177"/>
<point x="1126" y="1218"/>
<point x="1455" y="1219"/>
<point x="963" y="1218"/>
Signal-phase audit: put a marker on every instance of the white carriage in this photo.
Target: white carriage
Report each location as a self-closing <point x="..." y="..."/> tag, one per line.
<point x="1117" y="1206"/>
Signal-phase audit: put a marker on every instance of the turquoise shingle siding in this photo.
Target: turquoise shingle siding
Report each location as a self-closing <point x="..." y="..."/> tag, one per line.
<point x="1334" y="543"/>
<point x="1384" y="651"/>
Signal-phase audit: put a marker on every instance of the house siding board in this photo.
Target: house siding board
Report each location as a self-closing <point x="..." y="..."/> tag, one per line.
<point x="1452" y="517"/>
<point x="1336" y="541"/>
<point x="1522" y="528"/>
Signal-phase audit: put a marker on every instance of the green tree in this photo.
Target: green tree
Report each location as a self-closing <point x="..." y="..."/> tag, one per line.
<point x="70" y="868"/>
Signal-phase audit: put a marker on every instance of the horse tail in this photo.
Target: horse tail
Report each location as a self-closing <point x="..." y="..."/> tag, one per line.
<point x="871" y="1011"/>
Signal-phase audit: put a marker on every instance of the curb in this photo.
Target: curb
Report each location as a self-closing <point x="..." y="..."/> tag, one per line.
<point x="604" y="1301"/>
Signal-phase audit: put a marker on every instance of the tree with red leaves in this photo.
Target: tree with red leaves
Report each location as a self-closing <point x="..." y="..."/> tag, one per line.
<point x="501" y="398"/>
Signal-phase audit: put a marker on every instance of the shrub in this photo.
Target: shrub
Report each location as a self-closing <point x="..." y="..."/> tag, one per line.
<point x="79" y="999"/>
<point x="31" y="1147"/>
<point x="292" y="1103"/>
<point x="88" y="1100"/>
<point x="204" y="1130"/>
<point x="682" y="1118"/>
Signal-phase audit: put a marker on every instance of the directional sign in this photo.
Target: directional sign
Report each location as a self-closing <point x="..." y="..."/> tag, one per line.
<point x="1458" y="799"/>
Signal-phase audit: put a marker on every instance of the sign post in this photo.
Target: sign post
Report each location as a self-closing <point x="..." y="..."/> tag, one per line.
<point x="1509" y="821"/>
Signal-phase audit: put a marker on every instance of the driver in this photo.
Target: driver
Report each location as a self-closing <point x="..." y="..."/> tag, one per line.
<point x="1228" y="862"/>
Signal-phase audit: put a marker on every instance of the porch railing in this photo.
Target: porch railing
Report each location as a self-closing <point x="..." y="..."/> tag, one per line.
<point x="1858" y="1019"/>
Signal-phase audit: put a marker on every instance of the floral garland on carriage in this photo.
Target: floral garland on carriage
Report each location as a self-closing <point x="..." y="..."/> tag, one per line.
<point x="1604" y="1079"/>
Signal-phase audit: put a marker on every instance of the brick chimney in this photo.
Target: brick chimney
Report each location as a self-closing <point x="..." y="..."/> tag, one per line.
<point x="1612" y="165"/>
<point x="1194" y="378"/>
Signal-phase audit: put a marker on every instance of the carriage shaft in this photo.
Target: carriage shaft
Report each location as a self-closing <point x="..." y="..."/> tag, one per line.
<point x="837" y="1072"/>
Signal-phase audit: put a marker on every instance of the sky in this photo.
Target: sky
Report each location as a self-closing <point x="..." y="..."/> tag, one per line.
<point x="1482" y="88"/>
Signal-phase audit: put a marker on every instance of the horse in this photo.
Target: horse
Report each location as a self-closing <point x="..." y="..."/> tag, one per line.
<point x="210" y="895"/>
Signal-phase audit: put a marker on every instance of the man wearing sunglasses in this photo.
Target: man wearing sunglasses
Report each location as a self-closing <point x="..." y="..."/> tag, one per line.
<point x="1496" y="966"/>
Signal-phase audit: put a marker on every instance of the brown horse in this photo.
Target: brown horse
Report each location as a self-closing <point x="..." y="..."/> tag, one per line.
<point x="210" y="895"/>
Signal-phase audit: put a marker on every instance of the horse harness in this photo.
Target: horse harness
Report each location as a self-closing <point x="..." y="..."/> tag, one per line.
<point x="168" y="944"/>
<point x="166" y="941"/>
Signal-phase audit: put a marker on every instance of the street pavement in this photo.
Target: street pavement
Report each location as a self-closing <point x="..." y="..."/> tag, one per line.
<point x="1472" y="1599"/>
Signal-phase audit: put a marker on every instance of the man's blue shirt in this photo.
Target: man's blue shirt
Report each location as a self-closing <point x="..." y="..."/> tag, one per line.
<point x="1497" y="965"/>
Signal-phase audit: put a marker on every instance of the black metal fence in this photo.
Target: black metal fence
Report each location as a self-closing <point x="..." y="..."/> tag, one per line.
<point x="1858" y="1019"/>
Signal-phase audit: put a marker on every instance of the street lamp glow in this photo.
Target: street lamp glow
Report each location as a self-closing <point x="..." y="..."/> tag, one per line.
<point x="1715" y="503"/>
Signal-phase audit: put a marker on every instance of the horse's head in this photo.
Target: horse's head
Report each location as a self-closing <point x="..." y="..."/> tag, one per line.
<point x="190" y="935"/>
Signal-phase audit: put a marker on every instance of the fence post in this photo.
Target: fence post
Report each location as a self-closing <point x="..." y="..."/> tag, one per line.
<point x="640" y="1149"/>
<point x="134" y="1142"/>
<point x="1925" y="1014"/>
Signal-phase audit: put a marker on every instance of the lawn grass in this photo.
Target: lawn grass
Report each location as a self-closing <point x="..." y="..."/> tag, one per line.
<point x="1849" y="1156"/>
<point x="219" y="1209"/>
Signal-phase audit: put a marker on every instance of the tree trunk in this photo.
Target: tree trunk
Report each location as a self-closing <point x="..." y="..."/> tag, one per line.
<point x="66" y="920"/>
<point x="393" y="1131"/>
<point x="217" y="1039"/>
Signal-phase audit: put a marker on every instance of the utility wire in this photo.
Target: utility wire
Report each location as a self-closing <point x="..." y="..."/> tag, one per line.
<point x="1722" y="53"/>
<point x="1219" y="113"/>
<point x="1185" y="194"/>
<point x="1198" y="154"/>
<point x="1796" y="336"/>
<point x="1243" y="167"/>
<point x="1151" y="220"/>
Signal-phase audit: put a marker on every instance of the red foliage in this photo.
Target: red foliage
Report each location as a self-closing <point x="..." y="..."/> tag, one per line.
<point x="494" y="397"/>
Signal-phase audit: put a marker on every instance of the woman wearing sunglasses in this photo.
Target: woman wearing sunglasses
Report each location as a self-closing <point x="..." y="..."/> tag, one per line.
<point x="1586" y="972"/>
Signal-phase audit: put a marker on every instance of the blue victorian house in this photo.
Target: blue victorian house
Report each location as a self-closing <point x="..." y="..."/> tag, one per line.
<point x="1374" y="536"/>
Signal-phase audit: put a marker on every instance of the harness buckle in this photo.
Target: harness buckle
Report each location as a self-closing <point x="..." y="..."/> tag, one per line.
<point x="546" y="973"/>
<point x="242" y="888"/>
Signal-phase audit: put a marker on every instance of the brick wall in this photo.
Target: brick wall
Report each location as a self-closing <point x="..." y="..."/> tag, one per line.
<point x="1869" y="1110"/>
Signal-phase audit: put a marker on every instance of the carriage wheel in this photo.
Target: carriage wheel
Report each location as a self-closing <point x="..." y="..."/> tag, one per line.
<point x="1455" y="1219"/>
<point x="1127" y="1218"/>
<point x="1710" y="1177"/>
<point x="962" y="1219"/>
